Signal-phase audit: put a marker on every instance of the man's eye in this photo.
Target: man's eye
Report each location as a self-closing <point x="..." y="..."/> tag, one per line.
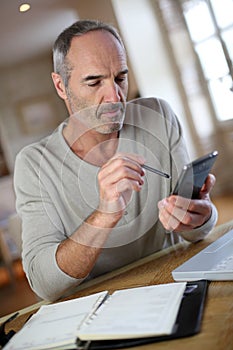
<point x="94" y="83"/>
<point x="120" y="79"/>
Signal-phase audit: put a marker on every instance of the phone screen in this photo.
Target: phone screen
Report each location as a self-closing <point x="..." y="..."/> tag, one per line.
<point x="193" y="176"/>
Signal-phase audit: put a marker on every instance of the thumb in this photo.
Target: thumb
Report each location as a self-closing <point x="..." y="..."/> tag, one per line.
<point x="208" y="185"/>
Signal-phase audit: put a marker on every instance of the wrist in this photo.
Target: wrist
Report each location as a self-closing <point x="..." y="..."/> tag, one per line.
<point x="103" y="219"/>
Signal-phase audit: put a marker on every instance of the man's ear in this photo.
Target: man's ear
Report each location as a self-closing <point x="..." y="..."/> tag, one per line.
<point x="59" y="86"/>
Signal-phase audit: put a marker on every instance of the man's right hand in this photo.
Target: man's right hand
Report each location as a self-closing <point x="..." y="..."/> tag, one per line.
<point x="117" y="179"/>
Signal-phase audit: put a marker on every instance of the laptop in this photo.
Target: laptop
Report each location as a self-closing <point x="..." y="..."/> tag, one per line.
<point x="214" y="263"/>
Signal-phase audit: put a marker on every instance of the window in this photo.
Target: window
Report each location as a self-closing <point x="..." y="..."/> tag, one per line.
<point x="210" y="25"/>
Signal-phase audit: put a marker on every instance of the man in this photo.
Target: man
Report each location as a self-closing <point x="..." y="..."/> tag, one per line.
<point x="86" y="202"/>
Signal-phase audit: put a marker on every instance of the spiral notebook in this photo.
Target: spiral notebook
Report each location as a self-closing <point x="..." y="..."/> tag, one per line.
<point x="123" y="319"/>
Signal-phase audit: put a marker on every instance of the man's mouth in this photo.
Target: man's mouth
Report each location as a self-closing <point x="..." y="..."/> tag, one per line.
<point x="112" y="114"/>
<point x="111" y="111"/>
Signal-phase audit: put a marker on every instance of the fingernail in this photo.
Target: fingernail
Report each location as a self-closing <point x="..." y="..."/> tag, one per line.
<point x="143" y="171"/>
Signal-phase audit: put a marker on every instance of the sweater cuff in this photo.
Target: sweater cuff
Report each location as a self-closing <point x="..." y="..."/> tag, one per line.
<point x="55" y="283"/>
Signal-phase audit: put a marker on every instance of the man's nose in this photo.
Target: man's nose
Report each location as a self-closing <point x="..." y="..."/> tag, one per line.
<point x="112" y="93"/>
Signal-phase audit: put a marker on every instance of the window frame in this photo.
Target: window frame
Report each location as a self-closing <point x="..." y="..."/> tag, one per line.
<point x="219" y="35"/>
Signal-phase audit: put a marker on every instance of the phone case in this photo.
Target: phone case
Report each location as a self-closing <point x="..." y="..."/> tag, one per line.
<point x="193" y="176"/>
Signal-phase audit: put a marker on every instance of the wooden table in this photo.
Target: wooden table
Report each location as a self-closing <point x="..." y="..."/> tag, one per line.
<point x="217" y="324"/>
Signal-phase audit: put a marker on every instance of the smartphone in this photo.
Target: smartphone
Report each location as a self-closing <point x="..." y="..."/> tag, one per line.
<point x="193" y="176"/>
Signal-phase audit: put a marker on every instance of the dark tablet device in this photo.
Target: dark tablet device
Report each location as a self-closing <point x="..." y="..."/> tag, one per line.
<point x="193" y="176"/>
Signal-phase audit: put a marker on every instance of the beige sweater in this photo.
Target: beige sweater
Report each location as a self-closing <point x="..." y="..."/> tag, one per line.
<point x="56" y="191"/>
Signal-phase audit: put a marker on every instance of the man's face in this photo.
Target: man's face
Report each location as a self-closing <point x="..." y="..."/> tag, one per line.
<point x="98" y="85"/>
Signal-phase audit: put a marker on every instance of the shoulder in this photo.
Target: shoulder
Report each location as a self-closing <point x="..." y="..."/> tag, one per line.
<point x="31" y="152"/>
<point x="34" y="151"/>
<point x="151" y="110"/>
<point x="154" y="103"/>
<point x="152" y="106"/>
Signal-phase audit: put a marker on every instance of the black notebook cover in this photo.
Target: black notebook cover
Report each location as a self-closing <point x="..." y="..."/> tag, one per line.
<point x="188" y="321"/>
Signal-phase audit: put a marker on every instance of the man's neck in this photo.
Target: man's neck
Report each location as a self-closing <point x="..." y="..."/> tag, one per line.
<point x="91" y="146"/>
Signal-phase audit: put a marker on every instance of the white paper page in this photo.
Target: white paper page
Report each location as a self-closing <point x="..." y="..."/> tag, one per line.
<point x="136" y="312"/>
<point x="54" y="324"/>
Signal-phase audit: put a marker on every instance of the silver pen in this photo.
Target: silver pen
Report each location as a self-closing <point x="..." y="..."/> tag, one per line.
<point x="158" y="172"/>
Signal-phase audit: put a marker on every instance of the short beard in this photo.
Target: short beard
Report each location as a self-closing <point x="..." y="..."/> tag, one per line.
<point x="90" y="116"/>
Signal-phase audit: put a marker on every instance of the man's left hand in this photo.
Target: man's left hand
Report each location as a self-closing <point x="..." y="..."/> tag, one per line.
<point x="182" y="214"/>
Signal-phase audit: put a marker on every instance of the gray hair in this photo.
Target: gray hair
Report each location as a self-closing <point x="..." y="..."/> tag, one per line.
<point x="62" y="44"/>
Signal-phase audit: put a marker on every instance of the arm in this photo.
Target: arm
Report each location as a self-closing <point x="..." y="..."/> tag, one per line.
<point x="54" y="263"/>
<point x="117" y="179"/>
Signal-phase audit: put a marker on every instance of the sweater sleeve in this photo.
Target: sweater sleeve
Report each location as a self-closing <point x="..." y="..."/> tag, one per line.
<point x="42" y="230"/>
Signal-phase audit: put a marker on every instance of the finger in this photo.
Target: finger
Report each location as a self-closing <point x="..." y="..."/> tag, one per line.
<point x="208" y="185"/>
<point x="179" y="202"/>
<point x="113" y="175"/>
<point x="122" y="167"/>
<point x="175" y="214"/>
<point x="167" y="220"/>
<point x="198" y="206"/>
<point x="170" y="222"/>
<point x="131" y="158"/>
<point x="193" y="214"/>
